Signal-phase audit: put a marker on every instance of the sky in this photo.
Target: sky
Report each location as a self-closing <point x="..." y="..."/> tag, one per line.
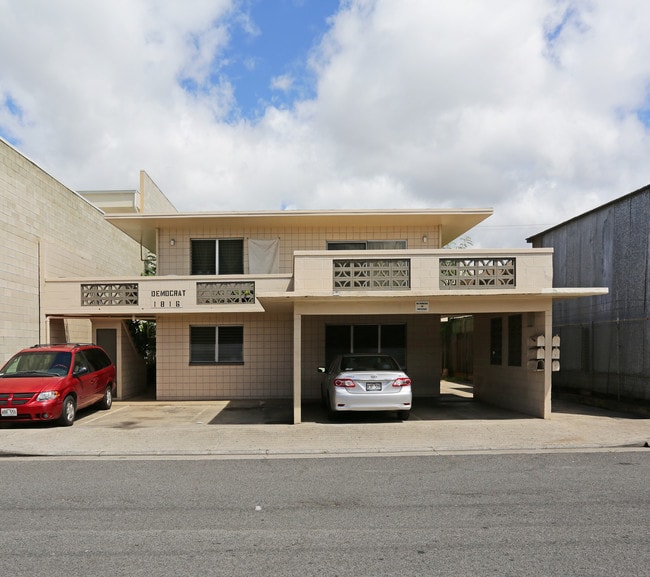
<point x="537" y="109"/>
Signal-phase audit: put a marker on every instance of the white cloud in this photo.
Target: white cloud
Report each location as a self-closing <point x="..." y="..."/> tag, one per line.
<point x="284" y="82"/>
<point x="419" y="103"/>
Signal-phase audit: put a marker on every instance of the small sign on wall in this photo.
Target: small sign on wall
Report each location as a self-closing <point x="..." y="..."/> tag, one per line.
<point x="168" y="299"/>
<point x="421" y="306"/>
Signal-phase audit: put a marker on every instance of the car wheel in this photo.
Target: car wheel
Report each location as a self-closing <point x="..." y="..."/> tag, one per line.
<point x="107" y="400"/>
<point x="69" y="411"/>
<point x="403" y="415"/>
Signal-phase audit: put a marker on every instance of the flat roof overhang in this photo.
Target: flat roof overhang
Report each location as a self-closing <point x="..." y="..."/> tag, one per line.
<point x="456" y="301"/>
<point x="454" y="223"/>
<point x="392" y="302"/>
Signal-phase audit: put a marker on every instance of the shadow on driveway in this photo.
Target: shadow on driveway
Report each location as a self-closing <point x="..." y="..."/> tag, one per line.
<point x="280" y="411"/>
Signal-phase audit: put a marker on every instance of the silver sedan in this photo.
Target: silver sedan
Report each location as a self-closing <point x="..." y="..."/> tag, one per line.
<point x="366" y="382"/>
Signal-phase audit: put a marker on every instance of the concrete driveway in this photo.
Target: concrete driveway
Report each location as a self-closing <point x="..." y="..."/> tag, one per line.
<point x="455" y="403"/>
<point x="237" y="429"/>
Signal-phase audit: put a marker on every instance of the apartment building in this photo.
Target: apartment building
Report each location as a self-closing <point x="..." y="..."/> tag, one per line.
<point x="248" y="305"/>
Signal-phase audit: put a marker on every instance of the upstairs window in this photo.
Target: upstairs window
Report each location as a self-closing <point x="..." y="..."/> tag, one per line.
<point x="217" y="256"/>
<point x="366" y="244"/>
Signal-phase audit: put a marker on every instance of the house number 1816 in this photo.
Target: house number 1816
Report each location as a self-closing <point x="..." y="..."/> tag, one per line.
<point x="167" y="304"/>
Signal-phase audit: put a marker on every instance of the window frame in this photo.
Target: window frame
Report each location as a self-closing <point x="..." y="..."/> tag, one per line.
<point x="217" y="346"/>
<point x="366" y="244"/>
<point x="219" y="257"/>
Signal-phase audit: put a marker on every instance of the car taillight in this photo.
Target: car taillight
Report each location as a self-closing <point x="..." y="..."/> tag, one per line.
<point x="348" y="383"/>
<point x="402" y="382"/>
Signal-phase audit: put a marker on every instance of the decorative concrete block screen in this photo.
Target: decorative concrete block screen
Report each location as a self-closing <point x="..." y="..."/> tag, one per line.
<point x="223" y="293"/>
<point x="379" y="274"/>
<point x="477" y="273"/>
<point x="109" y="295"/>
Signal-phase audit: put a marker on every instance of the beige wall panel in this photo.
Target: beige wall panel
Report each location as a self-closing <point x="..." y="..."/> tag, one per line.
<point x="267" y="371"/>
<point x="47" y="230"/>
<point x="152" y="199"/>
<point x="517" y="388"/>
<point x="78" y="331"/>
<point x="57" y="331"/>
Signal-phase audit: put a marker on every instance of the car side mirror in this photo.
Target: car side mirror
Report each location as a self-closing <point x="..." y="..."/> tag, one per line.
<point x="80" y="371"/>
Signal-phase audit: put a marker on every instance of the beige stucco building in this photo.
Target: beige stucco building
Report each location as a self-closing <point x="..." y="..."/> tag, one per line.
<point x="48" y="231"/>
<point x="247" y="305"/>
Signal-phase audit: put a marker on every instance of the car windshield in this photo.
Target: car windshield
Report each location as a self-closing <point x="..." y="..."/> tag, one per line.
<point x="52" y="363"/>
<point x="369" y="363"/>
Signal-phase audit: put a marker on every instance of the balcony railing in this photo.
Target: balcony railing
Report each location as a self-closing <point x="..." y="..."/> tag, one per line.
<point x="372" y="274"/>
<point x="480" y="273"/>
<point x="423" y="271"/>
<point x="109" y="295"/>
<point x="319" y="274"/>
<point x="207" y="293"/>
<point x="225" y="293"/>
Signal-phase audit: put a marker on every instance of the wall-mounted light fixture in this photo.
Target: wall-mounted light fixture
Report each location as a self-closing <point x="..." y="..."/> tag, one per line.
<point x="172" y="242"/>
<point x="425" y="239"/>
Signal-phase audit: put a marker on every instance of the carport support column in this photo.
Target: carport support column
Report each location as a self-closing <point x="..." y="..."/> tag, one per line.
<point x="297" y="368"/>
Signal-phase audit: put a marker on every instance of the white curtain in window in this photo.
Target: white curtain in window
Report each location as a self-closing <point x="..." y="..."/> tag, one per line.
<point x="263" y="256"/>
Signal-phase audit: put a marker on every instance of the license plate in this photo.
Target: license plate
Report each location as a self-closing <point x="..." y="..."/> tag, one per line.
<point x="8" y="412"/>
<point x="373" y="386"/>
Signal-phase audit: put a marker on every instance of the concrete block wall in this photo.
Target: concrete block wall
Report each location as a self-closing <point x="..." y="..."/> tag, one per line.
<point x="518" y="388"/>
<point x="47" y="230"/>
<point x="152" y="199"/>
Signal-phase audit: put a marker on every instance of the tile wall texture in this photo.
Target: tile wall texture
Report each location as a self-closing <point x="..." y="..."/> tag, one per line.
<point x="48" y="231"/>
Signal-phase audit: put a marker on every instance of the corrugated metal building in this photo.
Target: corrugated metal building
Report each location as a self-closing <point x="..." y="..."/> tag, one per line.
<point x="605" y="340"/>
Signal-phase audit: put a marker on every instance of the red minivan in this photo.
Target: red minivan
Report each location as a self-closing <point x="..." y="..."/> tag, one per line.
<point x="50" y="382"/>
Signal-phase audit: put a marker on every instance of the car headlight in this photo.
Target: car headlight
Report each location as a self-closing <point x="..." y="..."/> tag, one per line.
<point x="47" y="395"/>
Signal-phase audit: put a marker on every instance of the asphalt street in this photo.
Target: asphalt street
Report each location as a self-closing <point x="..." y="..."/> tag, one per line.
<point x="578" y="514"/>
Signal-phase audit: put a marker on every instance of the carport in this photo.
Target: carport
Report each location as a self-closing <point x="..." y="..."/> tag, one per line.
<point x="503" y="328"/>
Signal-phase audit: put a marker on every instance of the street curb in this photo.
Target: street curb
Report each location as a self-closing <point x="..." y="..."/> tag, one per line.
<point x="323" y="453"/>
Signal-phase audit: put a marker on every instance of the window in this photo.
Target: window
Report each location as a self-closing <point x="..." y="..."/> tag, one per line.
<point x="388" y="339"/>
<point x="223" y="344"/>
<point x="366" y="244"/>
<point x="514" y="340"/>
<point x="496" y="344"/>
<point x="365" y="338"/>
<point x="222" y="256"/>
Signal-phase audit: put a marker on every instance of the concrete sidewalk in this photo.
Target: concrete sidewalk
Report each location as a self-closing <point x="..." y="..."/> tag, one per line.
<point x="252" y="429"/>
